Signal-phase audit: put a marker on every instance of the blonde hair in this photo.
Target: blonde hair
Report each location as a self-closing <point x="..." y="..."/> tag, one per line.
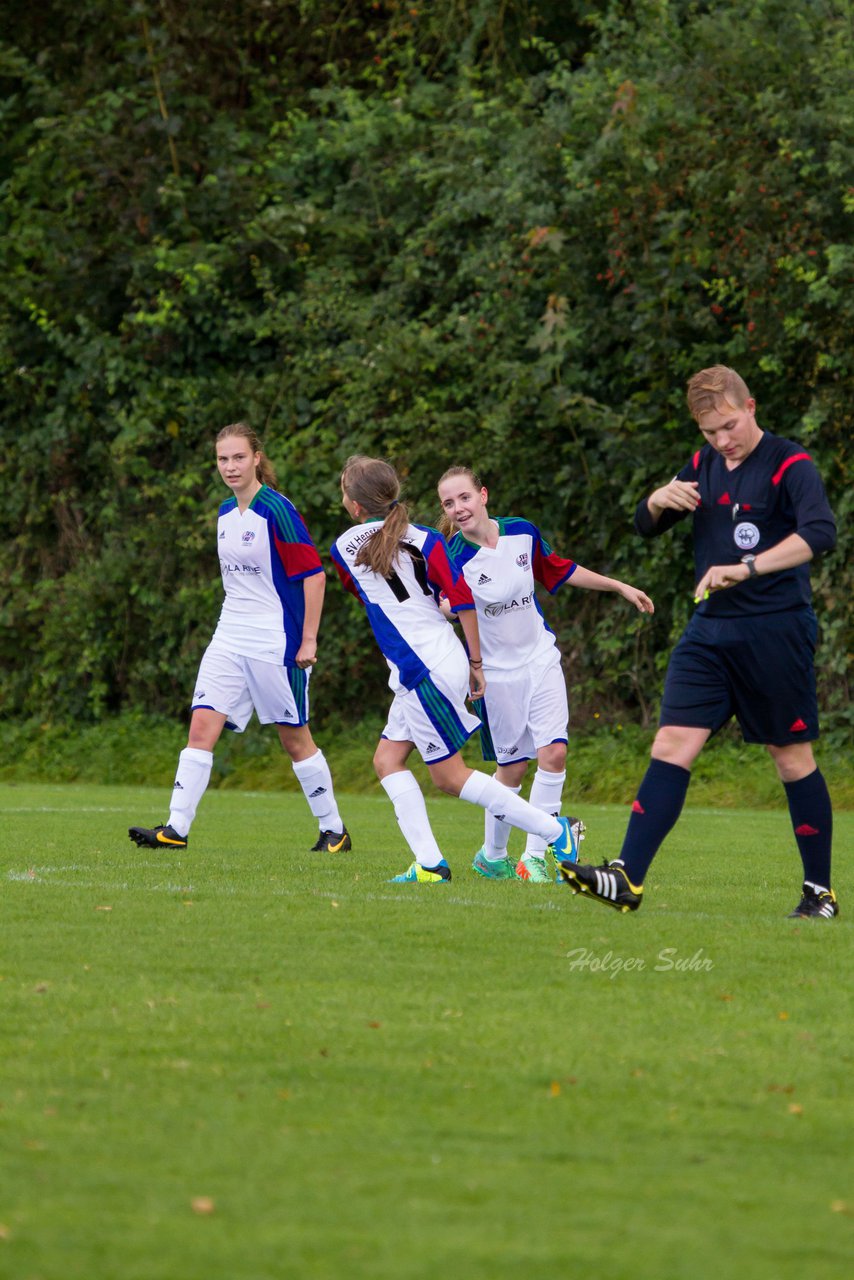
<point x="375" y="485"/>
<point x="264" y="468"/>
<point x="708" y="387"/>
<point x="446" y="526"/>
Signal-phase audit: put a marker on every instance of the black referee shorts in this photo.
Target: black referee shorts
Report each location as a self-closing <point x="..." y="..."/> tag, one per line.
<point x="759" y="669"/>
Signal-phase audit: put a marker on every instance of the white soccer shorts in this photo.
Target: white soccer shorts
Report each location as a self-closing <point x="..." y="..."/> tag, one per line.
<point x="434" y="714"/>
<point x="236" y="685"/>
<point x="524" y="710"/>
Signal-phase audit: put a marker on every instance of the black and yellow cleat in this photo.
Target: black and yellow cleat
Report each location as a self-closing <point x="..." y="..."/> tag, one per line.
<point x="157" y="838"/>
<point x="333" y="842"/>
<point x="608" y="883"/>
<point x="817" y="903"/>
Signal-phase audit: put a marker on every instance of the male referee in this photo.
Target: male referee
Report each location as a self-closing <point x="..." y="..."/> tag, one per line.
<point x="760" y="515"/>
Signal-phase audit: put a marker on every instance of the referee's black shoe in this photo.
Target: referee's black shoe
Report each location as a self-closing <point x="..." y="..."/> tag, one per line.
<point x="608" y="883"/>
<point x="333" y="842"/>
<point x="157" y="838"/>
<point x="816" y="902"/>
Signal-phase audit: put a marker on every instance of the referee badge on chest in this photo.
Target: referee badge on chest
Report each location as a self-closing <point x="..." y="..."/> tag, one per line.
<point x="746" y="536"/>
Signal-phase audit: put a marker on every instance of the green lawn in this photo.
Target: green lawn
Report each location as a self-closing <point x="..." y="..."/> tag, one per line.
<point x="357" y="1079"/>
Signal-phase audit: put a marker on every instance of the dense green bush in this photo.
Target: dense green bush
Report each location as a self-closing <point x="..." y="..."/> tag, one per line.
<point x="498" y="234"/>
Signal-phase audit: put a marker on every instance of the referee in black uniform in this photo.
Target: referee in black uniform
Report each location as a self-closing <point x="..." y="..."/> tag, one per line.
<point x="759" y="514"/>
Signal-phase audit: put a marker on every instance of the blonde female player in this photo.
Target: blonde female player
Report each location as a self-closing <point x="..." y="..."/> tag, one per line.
<point x="264" y="646"/>
<point x="398" y="571"/>
<point x="525" y="711"/>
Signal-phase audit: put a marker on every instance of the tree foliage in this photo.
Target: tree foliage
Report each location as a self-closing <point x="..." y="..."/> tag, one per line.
<point x="496" y="233"/>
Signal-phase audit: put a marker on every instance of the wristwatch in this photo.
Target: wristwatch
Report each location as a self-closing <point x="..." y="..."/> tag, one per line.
<point x="750" y="561"/>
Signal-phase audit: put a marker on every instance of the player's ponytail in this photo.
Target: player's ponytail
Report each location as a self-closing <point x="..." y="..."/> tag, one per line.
<point x="446" y="526"/>
<point x="375" y="486"/>
<point x="264" y="469"/>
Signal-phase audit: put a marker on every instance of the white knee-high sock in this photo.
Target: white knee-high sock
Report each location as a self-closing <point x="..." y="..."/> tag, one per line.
<point x="546" y="794"/>
<point x="410" y="810"/>
<point x="191" y="781"/>
<point x="500" y="801"/>
<point x="496" y="831"/>
<point x="316" y="781"/>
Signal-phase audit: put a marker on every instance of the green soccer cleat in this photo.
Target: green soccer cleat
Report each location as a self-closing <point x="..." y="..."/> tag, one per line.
<point x="608" y="883"/>
<point x="157" y="838"/>
<point x="416" y="874"/>
<point x="333" y="842"/>
<point x="500" y="869"/>
<point x="530" y="867"/>
<point x="817" y="903"/>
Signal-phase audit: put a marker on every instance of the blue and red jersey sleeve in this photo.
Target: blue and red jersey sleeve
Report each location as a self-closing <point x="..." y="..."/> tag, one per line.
<point x="289" y="536"/>
<point x="550" y="570"/>
<point x="443" y="575"/>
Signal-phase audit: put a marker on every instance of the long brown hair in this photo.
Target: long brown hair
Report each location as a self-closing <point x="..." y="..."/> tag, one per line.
<point x="447" y="528"/>
<point x="264" y="469"/>
<point x="375" y="485"/>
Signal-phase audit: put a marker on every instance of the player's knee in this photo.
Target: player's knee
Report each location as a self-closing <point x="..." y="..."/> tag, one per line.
<point x="677" y="744"/>
<point x="553" y="757"/>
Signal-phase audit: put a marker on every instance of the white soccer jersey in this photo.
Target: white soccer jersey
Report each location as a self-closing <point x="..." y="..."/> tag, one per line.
<point x="265" y="553"/>
<point x="403" y="609"/>
<point x="513" y="631"/>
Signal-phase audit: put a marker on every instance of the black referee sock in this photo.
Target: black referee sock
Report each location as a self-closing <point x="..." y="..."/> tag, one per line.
<point x="812" y="819"/>
<point x="659" y="803"/>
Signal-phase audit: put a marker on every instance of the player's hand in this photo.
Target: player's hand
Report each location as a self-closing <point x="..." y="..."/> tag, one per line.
<point x="679" y="495"/>
<point x="718" y="578"/>
<point x="638" y="598"/>
<point x="307" y="654"/>
<point x="477" y="683"/>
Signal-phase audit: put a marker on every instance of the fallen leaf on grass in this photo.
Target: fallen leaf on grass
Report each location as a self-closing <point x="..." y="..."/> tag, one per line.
<point x="795" y="1109"/>
<point x="781" y="1088"/>
<point x="202" y="1204"/>
<point x="5" y="1233"/>
<point x="375" y="1024"/>
<point x="103" y="908"/>
<point x="783" y="1016"/>
<point x="836" y="1206"/>
<point x="554" y="1089"/>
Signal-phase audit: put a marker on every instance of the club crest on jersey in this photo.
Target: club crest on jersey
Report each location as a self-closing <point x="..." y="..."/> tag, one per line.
<point x="746" y="536"/>
<point x="248" y="536"/>
<point x="522" y="560"/>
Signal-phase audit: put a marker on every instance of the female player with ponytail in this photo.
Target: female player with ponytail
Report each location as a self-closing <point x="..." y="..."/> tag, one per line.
<point x="398" y="570"/>
<point x="525" y="711"/>
<point x="264" y="646"/>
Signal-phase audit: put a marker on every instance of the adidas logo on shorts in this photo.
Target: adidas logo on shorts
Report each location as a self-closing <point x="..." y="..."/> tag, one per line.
<point x="431" y="748"/>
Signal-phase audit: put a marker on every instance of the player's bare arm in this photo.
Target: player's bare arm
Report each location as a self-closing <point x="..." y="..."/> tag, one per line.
<point x="590" y="581"/>
<point x="787" y="554"/>
<point x="477" y="680"/>
<point x="314" y="588"/>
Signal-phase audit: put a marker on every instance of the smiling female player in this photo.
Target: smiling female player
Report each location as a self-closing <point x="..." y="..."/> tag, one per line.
<point x="524" y="711"/>
<point x="264" y="646"/>
<point x="398" y="570"/>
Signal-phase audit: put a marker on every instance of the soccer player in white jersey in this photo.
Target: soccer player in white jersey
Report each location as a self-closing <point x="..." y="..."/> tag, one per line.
<point x="398" y="571"/>
<point x="264" y="646"/>
<point x="524" y="711"/>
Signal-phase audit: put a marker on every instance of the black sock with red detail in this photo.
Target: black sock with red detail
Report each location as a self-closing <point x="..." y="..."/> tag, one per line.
<point x="812" y="819"/>
<point x="658" y="805"/>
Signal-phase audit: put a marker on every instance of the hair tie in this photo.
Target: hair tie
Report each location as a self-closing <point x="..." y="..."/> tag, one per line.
<point x="392" y="505"/>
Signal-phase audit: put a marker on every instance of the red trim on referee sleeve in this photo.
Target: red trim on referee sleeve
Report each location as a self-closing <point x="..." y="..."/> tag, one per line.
<point x="796" y="457"/>
<point x="299" y="559"/>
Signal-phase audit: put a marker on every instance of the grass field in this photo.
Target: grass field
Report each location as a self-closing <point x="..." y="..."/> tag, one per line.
<point x="248" y="1062"/>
